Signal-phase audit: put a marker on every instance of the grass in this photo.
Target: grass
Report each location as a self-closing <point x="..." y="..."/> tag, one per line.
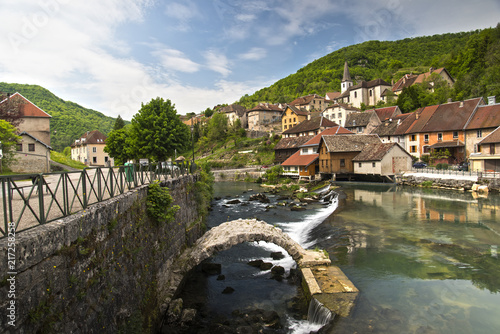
<point x="62" y="159"/>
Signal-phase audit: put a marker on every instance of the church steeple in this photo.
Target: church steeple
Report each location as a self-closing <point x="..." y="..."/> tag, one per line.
<point x="346" y="80"/>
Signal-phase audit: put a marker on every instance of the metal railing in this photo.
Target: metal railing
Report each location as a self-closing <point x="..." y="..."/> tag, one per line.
<point x="450" y="171"/>
<point x="35" y="199"/>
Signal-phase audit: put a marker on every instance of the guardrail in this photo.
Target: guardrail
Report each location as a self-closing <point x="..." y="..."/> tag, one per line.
<point x="36" y="199"/>
<point x="479" y="174"/>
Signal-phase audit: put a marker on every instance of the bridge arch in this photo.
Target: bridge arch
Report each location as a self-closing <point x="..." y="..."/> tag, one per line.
<point x="231" y="233"/>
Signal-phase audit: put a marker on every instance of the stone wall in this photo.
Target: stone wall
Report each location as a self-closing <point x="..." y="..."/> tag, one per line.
<point x="493" y="184"/>
<point x="99" y="271"/>
<point x="236" y="175"/>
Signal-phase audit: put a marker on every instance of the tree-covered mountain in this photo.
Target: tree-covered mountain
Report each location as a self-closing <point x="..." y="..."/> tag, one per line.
<point x="472" y="58"/>
<point x="69" y="120"/>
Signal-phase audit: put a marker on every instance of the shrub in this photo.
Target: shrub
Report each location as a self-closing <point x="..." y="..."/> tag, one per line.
<point x="159" y="204"/>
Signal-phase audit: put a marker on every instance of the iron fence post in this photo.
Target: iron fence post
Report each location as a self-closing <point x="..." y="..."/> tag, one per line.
<point x="84" y="187"/>
<point x="40" y="199"/>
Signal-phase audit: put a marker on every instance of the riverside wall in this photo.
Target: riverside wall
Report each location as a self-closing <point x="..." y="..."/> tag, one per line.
<point x="102" y="270"/>
<point x="480" y="184"/>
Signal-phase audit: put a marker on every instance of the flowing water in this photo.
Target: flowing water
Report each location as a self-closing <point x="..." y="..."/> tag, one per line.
<point x="425" y="261"/>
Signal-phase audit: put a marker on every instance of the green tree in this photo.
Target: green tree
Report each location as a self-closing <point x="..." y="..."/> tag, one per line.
<point x="157" y="131"/>
<point x="67" y="151"/>
<point x="218" y="127"/>
<point x="119" y="123"/>
<point x="118" y="146"/>
<point x="9" y="140"/>
<point x="208" y="112"/>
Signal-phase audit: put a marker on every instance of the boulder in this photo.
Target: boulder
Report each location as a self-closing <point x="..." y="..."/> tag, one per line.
<point x="234" y="201"/>
<point x="228" y="290"/>
<point x="277" y="255"/>
<point x="266" y="266"/>
<point x="259" y="197"/>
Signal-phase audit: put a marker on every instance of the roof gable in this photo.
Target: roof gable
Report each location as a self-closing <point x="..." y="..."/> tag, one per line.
<point x="26" y="107"/>
<point x="364" y="118"/>
<point x="487" y="116"/>
<point x="354" y="143"/>
<point x="311" y="125"/>
<point x="492" y="138"/>
<point x="374" y="152"/>
<point x="337" y="130"/>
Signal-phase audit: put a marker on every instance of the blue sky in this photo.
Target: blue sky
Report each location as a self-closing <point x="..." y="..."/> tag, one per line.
<point x="112" y="55"/>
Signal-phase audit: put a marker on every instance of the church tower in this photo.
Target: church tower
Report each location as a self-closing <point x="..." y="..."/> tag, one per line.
<point x="346" y="80"/>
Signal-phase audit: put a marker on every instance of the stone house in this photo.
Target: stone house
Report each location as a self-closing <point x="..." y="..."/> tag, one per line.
<point x="362" y="122"/>
<point x="292" y="116"/>
<point x="33" y="151"/>
<point x="89" y="149"/>
<point x="386" y="159"/>
<point x="484" y="121"/>
<point x="309" y="102"/>
<point x="286" y="147"/>
<point x="264" y="117"/>
<point x="487" y="157"/>
<point x="234" y="112"/>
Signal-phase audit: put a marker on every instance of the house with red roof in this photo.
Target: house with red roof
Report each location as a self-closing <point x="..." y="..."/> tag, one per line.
<point x="309" y="102"/>
<point x="487" y="157"/>
<point x="304" y="162"/>
<point x="483" y="122"/>
<point x="408" y="80"/>
<point x="89" y="149"/>
<point x="440" y="128"/>
<point x="33" y="151"/>
<point x="310" y="127"/>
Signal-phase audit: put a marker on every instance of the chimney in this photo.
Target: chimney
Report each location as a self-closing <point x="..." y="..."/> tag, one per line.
<point x="461" y="104"/>
<point x="491" y="100"/>
<point x="416" y="115"/>
<point x="450" y="100"/>
<point x="431" y="69"/>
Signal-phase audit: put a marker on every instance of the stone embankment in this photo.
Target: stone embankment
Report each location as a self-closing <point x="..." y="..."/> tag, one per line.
<point x="478" y="184"/>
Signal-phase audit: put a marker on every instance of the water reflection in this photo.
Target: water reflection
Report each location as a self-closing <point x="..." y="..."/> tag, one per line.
<point x="425" y="260"/>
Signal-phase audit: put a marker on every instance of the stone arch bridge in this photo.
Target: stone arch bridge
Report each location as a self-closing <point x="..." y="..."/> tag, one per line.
<point x="319" y="275"/>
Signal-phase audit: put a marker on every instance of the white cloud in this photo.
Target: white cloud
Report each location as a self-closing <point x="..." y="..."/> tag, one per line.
<point x="175" y="60"/>
<point x="246" y="17"/>
<point x="254" y="54"/>
<point x="183" y="13"/>
<point x="217" y="62"/>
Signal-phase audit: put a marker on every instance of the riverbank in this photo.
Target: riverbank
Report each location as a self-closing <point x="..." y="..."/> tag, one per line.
<point x="473" y="183"/>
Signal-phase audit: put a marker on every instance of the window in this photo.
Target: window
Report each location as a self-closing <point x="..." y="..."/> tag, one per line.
<point x="340" y="115"/>
<point x="455" y="134"/>
<point x="360" y="129"/>
<point x="94" y="160"/>
<point x="284" y="121"/>
<point x="426" y="149"/>
<point x="360" y="164"/>
<point x="31" y="147"/>
<point x="479" y="133"/>
<point x="19" y="147"/>
<point x="413" y="137"/>
<point x="304" y="150"/>
<point x="342" y="162"/>
<point x="294" y="119"/>
<point x="94" y="149"/>
<point x="492" y="148"/>
<point x="440" y="137"/>
<point x="413" y="149"/>
<point x="106" y="159"/>
<point x="371" y="93"/>
<point x="355" y="94"/>
<point x="426" y="138"/>
<point x="373" y="164"/>
<point x="285" y="127"/>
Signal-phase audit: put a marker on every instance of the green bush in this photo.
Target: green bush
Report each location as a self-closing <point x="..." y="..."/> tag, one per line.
<point x="204" y="189"/>
<point x="442" y="166"/>
<point x="159" y="203"/>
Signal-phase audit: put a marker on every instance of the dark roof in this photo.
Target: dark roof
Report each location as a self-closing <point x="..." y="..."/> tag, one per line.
<point x="291" y="142"/>
<point x="354" y="143"/>
<point x="91" y="137"/>
<point x="370" y="84"/>
<point x="297" y="159"/>
<point x="390" y="126"/>
<point x="451" y="143"/>
<point x="356" y="119"/>
<point x="26" y="107"/>
<point x="445" y="117"/>
<point x="492" y="138"/>
<point x="343" y="105"/>
<point x="311" y="124"/>
<point x="374" y="152"/>
<point x="236" y="108"/>
<point x="487" y="116"/>
<point x="266" y="107"/>
<point x="24" y="133"/>
<point x="347" y="75"/>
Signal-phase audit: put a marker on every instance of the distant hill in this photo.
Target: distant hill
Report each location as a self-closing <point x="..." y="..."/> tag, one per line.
<point x="470" y="57"/>
<point x="69" y="120"/>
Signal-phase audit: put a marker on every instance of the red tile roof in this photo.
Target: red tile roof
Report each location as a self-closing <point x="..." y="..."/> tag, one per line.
<point x="266" y="107"/>
<point x="297" y="111"/>
<point x="374" y="152"/>
<point x="311" y="125"/>
<point x="337" y="130"/>
<point x="26" y="107"/>
<point x="492" y="138"/>
<point x="485" y="117"/>
<point x="297" y="159"/>
<point x="304" y="100"/>
<point x="386" y="113"/>
<point x="410" y="79"/>
<point x="92" y="137"/>
<point x="332" y="95"/>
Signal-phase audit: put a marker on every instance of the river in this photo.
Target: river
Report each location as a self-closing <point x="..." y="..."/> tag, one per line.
<point x="424" y="260"/>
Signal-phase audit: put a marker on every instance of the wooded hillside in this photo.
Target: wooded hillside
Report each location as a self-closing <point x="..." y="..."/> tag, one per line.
<point x="69" y="120"/>
<point x="472" y="58"/>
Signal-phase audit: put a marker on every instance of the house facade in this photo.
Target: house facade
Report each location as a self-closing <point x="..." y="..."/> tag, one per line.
<point x="382" y="159"/>
<point x="234" y="112"/>
<point x="337" y="152"/>
<point x="487" y="157"/>
<point x="292" y="116"/>
<point x="485" y="120"/>
<point x="264" y="117"/>
<point x="33" y="151"/>
<point x="338" y="112"/>
<point x="309" y="102"/>
<point x="362" y="122"/>
<point x="89" y="149"/>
